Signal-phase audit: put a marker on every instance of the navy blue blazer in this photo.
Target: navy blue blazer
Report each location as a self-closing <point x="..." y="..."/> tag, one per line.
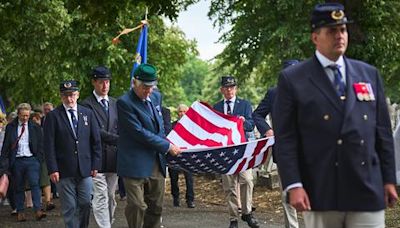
<point x="141" y="136"/>
<point x="8" y="151"/>
<point x="70" y="156"/>
<point x="342" y="152"/>
<point x="108" y="125"/>
<point x="262" y="110"/>
<point x="241" y="108"/>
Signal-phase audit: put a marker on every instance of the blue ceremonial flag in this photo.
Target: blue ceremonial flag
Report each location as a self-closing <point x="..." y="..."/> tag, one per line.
<point x="2" y="107"/>
<point x="141" y="49"/>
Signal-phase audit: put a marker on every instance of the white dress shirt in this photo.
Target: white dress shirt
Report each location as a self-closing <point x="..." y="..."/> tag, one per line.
<point x="23" y="143"/>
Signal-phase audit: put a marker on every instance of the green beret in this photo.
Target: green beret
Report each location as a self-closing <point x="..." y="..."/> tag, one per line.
<point x="146" y="73"/>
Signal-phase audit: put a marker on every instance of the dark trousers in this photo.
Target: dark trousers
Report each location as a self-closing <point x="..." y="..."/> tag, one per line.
<point x="75" y="196"/>
<point x="11" y="193"/>
<point x="27" y="169"/>
<point x="54" y="189"/>
<point x="174" y="175"/>
<point x="121" y="187"/>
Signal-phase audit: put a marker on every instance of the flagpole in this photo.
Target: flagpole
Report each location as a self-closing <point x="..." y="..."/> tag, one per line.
<point x="141" y="49"/>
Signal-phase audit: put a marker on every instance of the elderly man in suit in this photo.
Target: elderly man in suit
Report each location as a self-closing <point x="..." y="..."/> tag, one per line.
<point x="73" y="154"/>
<point x="334" y="142"/>
<point x="104" y="109"/>
<point x="23" y="147"/>
<point x="259" y="115"/>
<point x="232" y="105"/>
<point x="142" y="148"/>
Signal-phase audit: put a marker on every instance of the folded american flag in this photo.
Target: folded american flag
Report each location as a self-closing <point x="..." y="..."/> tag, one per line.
<point x="215" y="143"/>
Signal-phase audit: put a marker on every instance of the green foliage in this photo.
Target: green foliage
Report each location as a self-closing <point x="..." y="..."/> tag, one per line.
<point x="266" y="32"/>
<point x="44" y="42"/>
<point x="193" y="81"/>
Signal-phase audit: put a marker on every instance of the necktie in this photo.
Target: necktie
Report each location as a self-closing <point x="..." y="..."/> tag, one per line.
<point x="74" y="121"/>
<point x="338" y="83"/>
<point x="228" y="107"/>
<point x="104" y="104"/>
<point x="22" y="130"/>
<point x="19" y="137"/>
<point x="148" y="106"/>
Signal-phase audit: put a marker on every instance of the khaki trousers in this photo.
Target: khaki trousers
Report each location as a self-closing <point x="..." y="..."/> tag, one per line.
<point x="145" y="200"/>
<point x="290" y="213"/>
<point x="230" y="184"/>
<point x="338" y="219"/>
<point x="103" y="202"/>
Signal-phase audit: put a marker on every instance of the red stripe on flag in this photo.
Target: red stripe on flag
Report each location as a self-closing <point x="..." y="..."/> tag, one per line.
<point x="208" y="126"/>
<point x="237" y="120"/>
<point x="265" y="155"/>
<point x="257" y="151"/>
<point x="240" y="166"/>
<point x="192" y="139"/>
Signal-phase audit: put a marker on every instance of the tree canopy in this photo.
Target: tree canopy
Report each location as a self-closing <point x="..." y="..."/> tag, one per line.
<point x="44" y="42"/>
<point x="266" y="32"/>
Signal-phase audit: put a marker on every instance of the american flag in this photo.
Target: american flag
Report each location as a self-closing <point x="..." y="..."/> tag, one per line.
<point x="215" y="143"/>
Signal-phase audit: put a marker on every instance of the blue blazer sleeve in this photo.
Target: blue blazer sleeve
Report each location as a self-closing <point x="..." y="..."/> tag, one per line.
<point x="49" y="143"/>
<point x="248" y="123"/>
<point x="285" y="126"/>
<point x="263" y="109"/>
<point x="384" y="138"/>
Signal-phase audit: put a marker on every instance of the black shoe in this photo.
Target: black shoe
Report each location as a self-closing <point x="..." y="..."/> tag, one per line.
<point x="190" y="204"/>
<point x="251" y="221"/>
<point x="233" y="224"/>
<point x="176" y="203"/>
<point x="49" y="206"/>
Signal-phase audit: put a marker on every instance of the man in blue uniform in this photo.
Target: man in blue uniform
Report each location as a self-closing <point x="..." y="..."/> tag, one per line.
<point x="233" y="105"/>
<point x="73" y="154"/>
<point x="142" y="148"/>
<point x="334" y="142"/>
<point x="259" y="115"/>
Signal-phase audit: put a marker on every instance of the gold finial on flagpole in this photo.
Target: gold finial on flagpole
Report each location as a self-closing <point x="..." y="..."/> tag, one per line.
<point x="128" y="30"/>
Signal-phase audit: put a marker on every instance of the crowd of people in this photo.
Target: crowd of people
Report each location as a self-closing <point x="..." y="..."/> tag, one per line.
<point x="333" y="144"/>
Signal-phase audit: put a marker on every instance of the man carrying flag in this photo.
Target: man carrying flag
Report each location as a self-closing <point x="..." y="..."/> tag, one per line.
<point x="231" y="105"/>
<point x="142" y="148"/>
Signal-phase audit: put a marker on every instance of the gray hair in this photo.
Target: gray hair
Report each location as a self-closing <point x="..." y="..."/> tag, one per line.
<point x="24" y="106"/>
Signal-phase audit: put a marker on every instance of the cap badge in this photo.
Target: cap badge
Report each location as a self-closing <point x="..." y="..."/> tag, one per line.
<point x="67" y="85"/>
<point x="337" y="14"/>
<point x="230" y="80"/>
